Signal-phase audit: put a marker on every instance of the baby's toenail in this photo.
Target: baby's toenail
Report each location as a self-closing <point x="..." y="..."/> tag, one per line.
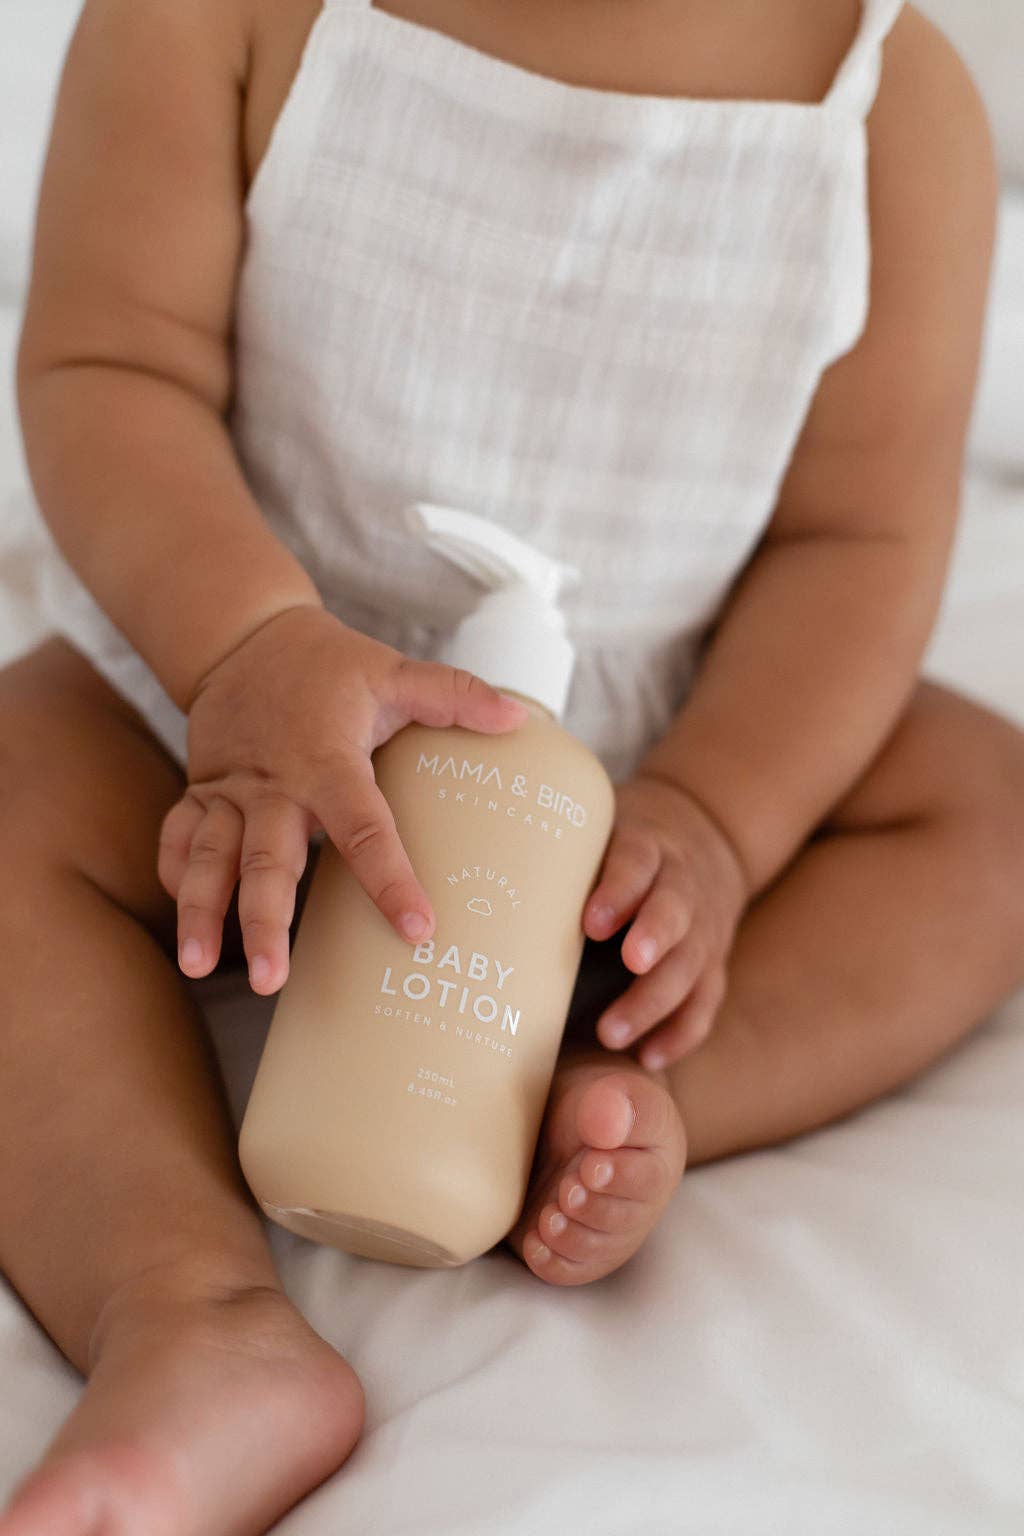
<point x="558" y="1223"/>
<point x="601" y="1175"/>
<point x="577" y="1197"/>
<point x="541" y="1253"/>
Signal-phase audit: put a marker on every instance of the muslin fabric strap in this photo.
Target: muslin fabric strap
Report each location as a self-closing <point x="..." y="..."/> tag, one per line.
<point x="856" y="83"/>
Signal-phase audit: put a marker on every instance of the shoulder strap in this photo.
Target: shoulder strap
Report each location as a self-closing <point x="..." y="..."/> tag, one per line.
<point x="854" y="87"/>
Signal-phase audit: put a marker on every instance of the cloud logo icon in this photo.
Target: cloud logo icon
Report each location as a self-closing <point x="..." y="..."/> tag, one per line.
<point x="480" y="904"/>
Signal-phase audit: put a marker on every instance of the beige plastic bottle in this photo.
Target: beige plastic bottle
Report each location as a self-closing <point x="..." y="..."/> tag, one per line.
<point x="398" y="1101"/>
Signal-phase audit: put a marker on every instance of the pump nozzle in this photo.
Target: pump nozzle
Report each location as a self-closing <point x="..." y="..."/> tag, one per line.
<point x="516" y="637"/>
<point x="493" y="555"/>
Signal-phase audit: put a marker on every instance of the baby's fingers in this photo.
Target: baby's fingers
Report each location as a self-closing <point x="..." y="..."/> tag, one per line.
<point x="274" y="851"/>
<point x="176" y="834"/>
<point x="663" y="919"/>
<point x="652" y="997"/>
<point x="690" y="1025"/>
<point x="628" y="872"/>
<point x="360" y="824"/>
<point x="205" y="888"/>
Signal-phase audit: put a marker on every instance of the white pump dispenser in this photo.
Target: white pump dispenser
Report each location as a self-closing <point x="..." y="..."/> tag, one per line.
<point x="398" y="1101"/>
<point x="515" y="638"/>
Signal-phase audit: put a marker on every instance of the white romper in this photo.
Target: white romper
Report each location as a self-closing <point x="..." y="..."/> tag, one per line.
<point x="596" y="317"/>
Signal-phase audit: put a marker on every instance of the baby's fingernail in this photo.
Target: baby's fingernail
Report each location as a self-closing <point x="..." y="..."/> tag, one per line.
<point x="414" y="925"/>
<point x="191" y="955"/>
<point x="506" y="698"/>
<point x="654" y="1060"/>
<point x="602" y="916"/>
<point x="259" y="971"/>
<point x="615" y="1031"/>
<point x="647" y="949"/>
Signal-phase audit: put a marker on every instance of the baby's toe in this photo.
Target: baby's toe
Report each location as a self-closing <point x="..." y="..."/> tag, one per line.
<point x="572" y="1241"/>
<point x="604" y="1191"/>
<point x="627" y="1109"/>
<point x="614" y="1150"/>
<point x="548" y="1264"/>
<point x="564" y="1252"/>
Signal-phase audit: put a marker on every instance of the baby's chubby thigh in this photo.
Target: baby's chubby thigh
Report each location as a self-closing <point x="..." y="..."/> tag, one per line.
<point x="84" y="787"/>
<point x="96" y="1037"/>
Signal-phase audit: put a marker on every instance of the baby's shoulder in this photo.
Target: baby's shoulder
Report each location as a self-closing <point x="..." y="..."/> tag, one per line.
<point x="919" y="59"/>
<point x="928" y="126"/>
<point x="271" y="21"/>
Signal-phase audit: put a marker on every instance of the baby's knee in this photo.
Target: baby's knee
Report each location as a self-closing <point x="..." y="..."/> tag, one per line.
<point x="980" y="767"/>
<point x="998" y="811"/>
<point x="953" y="772"/>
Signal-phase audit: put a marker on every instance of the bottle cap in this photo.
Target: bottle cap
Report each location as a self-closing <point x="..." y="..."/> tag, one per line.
<point x="515" y="638"/>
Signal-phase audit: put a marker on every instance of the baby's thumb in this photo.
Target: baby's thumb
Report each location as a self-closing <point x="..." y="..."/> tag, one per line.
<point x="435" y="694"/>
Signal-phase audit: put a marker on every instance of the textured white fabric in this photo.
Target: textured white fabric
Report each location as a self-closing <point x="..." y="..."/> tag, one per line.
<point x="598" y="318"/>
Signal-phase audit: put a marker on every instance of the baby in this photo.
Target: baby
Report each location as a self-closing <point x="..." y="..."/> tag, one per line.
<point x="597" y="269"/>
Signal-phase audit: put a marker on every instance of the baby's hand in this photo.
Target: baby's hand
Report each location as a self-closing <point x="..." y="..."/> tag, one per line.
<point x="672" y="871"/>
<point x="279" y="740"/>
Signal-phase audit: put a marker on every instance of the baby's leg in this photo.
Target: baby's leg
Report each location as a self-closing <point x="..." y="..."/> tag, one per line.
<point x="124" y="1220"/>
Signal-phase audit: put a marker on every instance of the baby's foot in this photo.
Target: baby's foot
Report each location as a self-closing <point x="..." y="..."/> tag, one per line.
<point x="209" y="1410"/>
<point x="611" y="1153"/>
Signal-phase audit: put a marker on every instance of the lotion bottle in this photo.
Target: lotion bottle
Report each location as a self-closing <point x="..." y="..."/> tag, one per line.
<point x="398" y="1101"/>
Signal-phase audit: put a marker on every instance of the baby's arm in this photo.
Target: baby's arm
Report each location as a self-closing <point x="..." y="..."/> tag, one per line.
<point x="818" y="648"/>
<point x="124" y="366"/>
<point x="124" y="376"/>
<point x="821" y="642"/>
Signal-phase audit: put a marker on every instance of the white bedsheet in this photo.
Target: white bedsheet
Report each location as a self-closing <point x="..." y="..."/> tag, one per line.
<point x="821" y="1340"/>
